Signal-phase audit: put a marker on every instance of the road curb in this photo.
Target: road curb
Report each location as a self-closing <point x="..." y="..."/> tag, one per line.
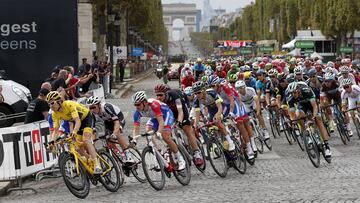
<point x="123" y="89"/>
<point x="3" y="190"/>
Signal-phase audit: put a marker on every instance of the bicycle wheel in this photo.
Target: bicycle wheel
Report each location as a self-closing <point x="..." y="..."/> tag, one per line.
<point x="78" y="184"/>
<point x="217" y="157"/>
<point x="340" y="129"/>
<point x="201" y="147"/>
<point x="136" y="168"/>
<point x="183" y="176"/>
<point x="272" y="124"/>
<point x="239" y="161"/>
<point x="298" y="137"/>
<point x="311" y="149"/>
<point x="258" y="138"/>
<point x="153" y="168"/>
<point x="113" y="179"/>
<point x="288" y="136"/>
<point x="357" y="125"/>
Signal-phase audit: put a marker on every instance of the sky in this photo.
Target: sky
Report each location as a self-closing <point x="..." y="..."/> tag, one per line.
<point x="229" y="5"/>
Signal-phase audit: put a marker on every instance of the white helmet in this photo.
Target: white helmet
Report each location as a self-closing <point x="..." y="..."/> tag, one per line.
<point x="208" y="72"/>
<point x="330" y="64"/>
<point x="344" y="69"/>
<point x="139" y="97"/>
<point x="298" y="70"/>
<point x="346" y="81"/>
<point x="188" y="91"/>
<point x="240" y="84"/>
<point x="93" y="100"/>
<point x="329" y="76"/>
<point x="187" y="65"/>
<point x="218" y="68"/>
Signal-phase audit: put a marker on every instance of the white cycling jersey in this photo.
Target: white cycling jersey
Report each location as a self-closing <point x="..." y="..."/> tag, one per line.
<point x="352" y="97"/>
<point x="248" y="98"/>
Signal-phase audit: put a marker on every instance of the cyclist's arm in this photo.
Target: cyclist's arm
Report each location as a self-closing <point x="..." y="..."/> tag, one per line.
<point x="219" y="107"/>
<point x="315" y="108"/>
<point x="278" y="99"/>
<point x="180" y="117"/>
<point x="267" y="98"/>
<point x="136" y="130"/>
<point x="77" y="125"/>
<point x="160" y="120"/>
<point x="116" y="130"/>
<point x="257" y="104"/>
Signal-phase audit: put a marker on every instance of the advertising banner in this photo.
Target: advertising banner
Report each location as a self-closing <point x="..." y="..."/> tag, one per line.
<point x="35" y="36"/>
<point x="22" y="150"/>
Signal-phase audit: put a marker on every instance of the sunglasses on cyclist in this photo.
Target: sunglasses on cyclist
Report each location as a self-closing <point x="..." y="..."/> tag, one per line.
<point x="346" y="86"/>
<point x="137" y="104"/>
<point x="197" y="93"/>
<point x="52" y="103"/>
<point x="92" y="107"/>
<point x="160" y="95"/>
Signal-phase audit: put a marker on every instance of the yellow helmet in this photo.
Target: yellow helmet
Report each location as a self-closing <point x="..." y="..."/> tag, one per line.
<point x="247" y="75"/>
<point x="198" y="60"/>
<point x="53" y="95"/>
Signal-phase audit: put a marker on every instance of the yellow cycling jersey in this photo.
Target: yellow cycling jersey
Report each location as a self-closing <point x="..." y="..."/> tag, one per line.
<point x="69" y="111"/>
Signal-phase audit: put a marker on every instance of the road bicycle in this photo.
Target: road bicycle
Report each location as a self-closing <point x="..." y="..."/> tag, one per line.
<point x="183" y="142"/>
<point x="157" y="161"/>
<point x="313" y="141"/>
<point x="357" y="119"/>
<point x="77" y="170"/>
<point x="259" y="133"/>
<point x="274" y="121"/>
<point x="339" y="122"/>
<point x="111" y="146"/>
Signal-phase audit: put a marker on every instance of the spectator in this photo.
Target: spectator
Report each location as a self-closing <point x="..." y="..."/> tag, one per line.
<point x="82" y="67"/>
<point x="38" y="108"/>
<point x="122" y="70"/>
<point x="71" y="83"/>
<point x="54" y="74"/>
<point x="87" y="78"/>
<point x="59" y="84"/>
<point x="46" y="85"/>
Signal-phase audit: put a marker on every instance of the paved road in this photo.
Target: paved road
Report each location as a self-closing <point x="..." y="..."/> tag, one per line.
<point x="283" y="175"/>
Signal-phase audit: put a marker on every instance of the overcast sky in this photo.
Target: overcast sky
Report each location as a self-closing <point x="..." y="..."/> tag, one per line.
<point x="229" y="5"/>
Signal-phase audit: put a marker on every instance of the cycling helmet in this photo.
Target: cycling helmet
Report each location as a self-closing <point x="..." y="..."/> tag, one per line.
<point x="329" y="76"/>
<point x="291" y="87"/>
<point x="260" y="72"/>
<point x="346" y="81"/>
<point x="275" y="63"/>
<point x="345" y="61"/>
<point x="268" y="66"/>
<point x="281" y="76"/>
<point x="240" y="84"/>
<point x="222" y="81"/>
<point x="298" y="70"/>
<point x="218" y="68"/>
<point x="188" y="73"/>
<point x="234" y="66"/>
<point x="188" y="91"/>
<point x="198" y="60"/>
<point x="53" y="95"/>
<point x="187" y="65"/>
<point x="330" y="64"/>
<point x="255" y="67"/>
<point x="139" y="97"/>
<point x="272" y="72"/>
<point x="344" y="69"/>
<point x="246" y="68"/>
<point x="247" y="75"/>
<point x="204" y="78"/>
<point x="93" y="100"/>
<point x="208" y="72"/>
<point x="311" y="72"/>
<point x="329" y="70"/>
<point x="265" y="59"/>
<point x="232" y="78"/>
<point x="293" y="60"/>
<point x="161" y="88"/>
<point x="290" y="78"/>
<point x="282" y="64"/>
<point x="262" y="65"/>
<point x="197" y="86"/>
<point x="213" y="80"/>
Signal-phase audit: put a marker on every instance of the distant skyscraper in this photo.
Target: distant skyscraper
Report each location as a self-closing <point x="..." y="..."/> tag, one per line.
<point x="208" y="13"/>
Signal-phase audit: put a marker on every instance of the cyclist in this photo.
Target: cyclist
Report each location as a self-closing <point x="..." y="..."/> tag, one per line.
<point x="231" y="106"/>
<point x="314" y="82"/>
<point x="260" y="86"/>
<point x="220" y="72"/>
<point x="345" y="74"/>
<point x="199" y="69"/>
<point x="251" y="102"/>
<point x="299" y="74"/>
<point x="212" y="101"/>
<point x="177" y="104"/>
<point x="350" y="97"/>
<point x="188" y="80"/>
<point x="301" y="95"/>
<point x="113" y="119"/>
<point x="330" y="92"/>
<point x="271" y="88"/>
<point x="161" y="120"/>
<point x="81" y="117"/>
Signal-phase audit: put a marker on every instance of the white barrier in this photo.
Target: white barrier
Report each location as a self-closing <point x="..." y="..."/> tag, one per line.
<point x="22" y="150"/>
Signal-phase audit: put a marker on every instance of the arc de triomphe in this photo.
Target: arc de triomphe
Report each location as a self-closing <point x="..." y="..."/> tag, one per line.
<point x="185" y="12"/>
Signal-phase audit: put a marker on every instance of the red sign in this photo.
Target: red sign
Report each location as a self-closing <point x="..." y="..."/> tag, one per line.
<point x="149" y="55"/>
<point x="235" y="43"/>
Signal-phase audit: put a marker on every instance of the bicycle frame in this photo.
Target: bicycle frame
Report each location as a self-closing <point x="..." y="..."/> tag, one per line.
<point x="155" y="148"/>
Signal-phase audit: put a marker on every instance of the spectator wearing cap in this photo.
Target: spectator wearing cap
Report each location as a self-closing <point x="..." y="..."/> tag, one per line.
<point x="38" y="108"/>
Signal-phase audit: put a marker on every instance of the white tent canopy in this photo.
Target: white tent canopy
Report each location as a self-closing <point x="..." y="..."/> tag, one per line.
<point x="289" y="45"/>
<point x="295" y="52"/>
<point x="316" y="55"/>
